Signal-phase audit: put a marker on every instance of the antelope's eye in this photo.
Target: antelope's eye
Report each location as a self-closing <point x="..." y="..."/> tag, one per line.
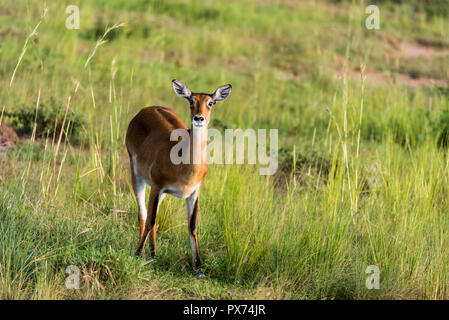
<point x="210" y="103"/>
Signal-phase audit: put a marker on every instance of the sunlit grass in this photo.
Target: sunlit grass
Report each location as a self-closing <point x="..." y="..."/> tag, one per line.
<point x="305" y="233"/>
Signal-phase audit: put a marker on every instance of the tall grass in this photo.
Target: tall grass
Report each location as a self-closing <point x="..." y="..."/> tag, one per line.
<point x="305" y="233"/>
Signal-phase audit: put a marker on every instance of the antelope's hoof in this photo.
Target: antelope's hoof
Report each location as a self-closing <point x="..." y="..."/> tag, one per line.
<point x="201" y="275"/>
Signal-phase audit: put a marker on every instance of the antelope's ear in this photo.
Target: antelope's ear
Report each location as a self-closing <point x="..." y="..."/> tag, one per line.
<point x="222" y="92"/>
<point x="181" y="90"/>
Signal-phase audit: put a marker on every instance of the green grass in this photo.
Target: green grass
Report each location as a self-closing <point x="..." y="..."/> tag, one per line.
<point x="363" y="176"/>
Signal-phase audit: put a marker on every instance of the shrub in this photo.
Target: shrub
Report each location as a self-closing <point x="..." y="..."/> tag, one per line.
<point x="315" y="161"/>
<point x="48" y="120"/>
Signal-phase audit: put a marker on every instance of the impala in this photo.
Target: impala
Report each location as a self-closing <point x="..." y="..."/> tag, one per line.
<point x="148" y="143"/>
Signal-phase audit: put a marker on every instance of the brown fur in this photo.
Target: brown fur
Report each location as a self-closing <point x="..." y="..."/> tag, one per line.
<point x="148" y="139"/>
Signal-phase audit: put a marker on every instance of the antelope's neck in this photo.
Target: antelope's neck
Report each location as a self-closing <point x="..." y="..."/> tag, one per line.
<point x="198" y="143"/>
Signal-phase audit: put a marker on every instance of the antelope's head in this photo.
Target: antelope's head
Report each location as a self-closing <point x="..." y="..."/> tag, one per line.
<point x="201" y="103"/>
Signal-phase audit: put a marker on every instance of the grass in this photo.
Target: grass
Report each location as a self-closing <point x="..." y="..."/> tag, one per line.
<point x="363" y="174"/>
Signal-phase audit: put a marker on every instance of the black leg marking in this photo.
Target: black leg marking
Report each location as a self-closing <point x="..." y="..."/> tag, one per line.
<point x="193" y="217"/>
<point x="192" y="227"/>
<point x="154" y="211"/>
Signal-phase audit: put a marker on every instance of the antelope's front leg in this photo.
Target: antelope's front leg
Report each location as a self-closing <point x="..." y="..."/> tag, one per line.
<point x="192" y="209"/>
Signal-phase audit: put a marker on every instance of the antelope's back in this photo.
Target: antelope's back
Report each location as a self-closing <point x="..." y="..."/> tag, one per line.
<point x="150" y="128"/>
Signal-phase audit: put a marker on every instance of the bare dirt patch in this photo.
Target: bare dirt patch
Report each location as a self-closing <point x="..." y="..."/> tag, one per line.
<point x="373" y="77"/>
<point x="13" y="32"/>
<point x="420" y="49"/>
<point x="8" y="137"/>
<point x="379" y="77"/>
<point x="334" y="8"/>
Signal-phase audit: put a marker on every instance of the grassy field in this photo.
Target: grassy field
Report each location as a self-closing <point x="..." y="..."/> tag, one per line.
<point x="363" y="120"/>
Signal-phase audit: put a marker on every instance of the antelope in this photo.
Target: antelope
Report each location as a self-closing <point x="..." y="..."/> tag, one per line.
<point x="148" y="143"/>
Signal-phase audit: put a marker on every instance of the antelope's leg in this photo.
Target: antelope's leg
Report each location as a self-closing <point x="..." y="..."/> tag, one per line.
<point x="192" y="209"/>
<point x="139" y="188"/>
<point x="153" y="226"/>
<point x="150" y="224"/>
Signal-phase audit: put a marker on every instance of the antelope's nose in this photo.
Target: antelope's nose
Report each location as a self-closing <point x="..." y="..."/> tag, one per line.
<point x="198" y="118"/>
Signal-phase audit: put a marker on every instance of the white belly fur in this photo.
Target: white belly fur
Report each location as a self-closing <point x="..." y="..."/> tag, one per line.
<point x="182" y="192"/>
<point x="178" y="191"/>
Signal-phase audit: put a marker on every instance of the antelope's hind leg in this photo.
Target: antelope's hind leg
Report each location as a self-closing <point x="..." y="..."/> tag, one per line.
<point x="139" y="188"/>
<point x="150" y="224"/>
